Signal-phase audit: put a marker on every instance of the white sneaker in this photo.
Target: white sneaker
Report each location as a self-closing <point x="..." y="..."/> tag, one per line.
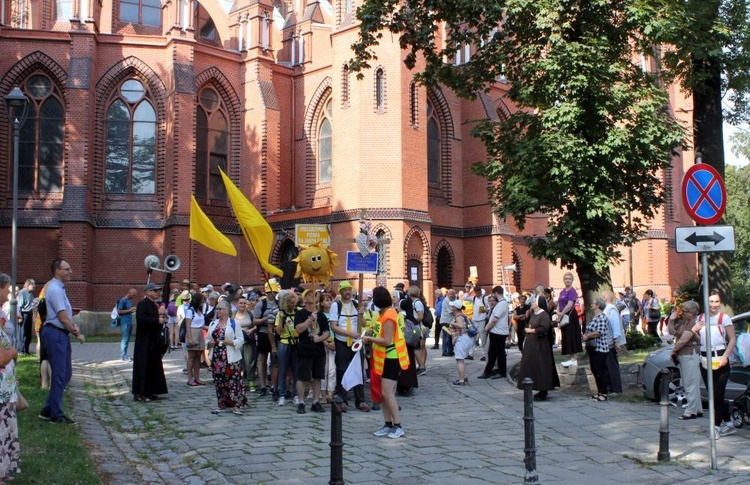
<point x="282" y="401"/>
<point x="396" y="433"/>
<point x="568" y="363"/>
<point x="384" y="431"/>
<point x="727" y="429"/>
<point x="296" y="400"/>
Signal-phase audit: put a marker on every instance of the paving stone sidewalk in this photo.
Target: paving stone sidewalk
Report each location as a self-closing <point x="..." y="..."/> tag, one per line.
<point x="457" y="435"/>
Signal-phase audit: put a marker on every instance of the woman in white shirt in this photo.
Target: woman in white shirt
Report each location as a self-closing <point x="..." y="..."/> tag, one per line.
<point x="194" y="339"/>
<point x="723" y="340"/>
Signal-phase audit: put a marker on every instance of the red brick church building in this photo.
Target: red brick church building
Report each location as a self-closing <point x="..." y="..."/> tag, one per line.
<point x="135" y="104"/>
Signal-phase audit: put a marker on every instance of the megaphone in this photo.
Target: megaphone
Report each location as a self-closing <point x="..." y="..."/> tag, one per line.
<point x="172" y="263"/>
<point x="152" y="261"/>
<point x="512" y="267"/>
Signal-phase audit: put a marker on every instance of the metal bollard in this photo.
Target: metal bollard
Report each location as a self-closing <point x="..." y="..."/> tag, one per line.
<point x="337" y="444"/>
<point x="528" y="430"/>
<point x="663" y="454"/>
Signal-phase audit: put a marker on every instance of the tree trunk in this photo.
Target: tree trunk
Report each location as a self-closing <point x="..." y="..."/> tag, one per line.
<point x="709" y="142"/>
<point x="593" y="283"/>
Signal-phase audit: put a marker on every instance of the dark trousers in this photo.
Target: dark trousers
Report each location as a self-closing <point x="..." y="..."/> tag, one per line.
<point x="447" y="342"/>
<point x="57" y="346"/>
<point x="344" y="356"/>
<point x="652" y="328"/>
<point x="496" y="355"/>
<point x="521" y="333"/>
<point x="438" y="331"/>
<point x="721" y="376"/>
<point x="613" y="367"/>
<point x="599" y="369"/>
<point x="24" y="337"/>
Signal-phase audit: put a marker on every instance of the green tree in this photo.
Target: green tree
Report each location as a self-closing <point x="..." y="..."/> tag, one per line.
<point x="737" y="181"/>
<point x="741" y="144"/>
<point x="708" y="55"/>
<point x="588" y="116"/>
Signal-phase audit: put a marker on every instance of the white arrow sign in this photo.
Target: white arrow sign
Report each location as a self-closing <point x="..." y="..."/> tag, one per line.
<point x="704" y="239"/>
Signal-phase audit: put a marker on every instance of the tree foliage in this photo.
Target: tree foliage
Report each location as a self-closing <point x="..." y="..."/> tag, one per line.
<point x="591" y="125"/>
<point x="708" y="41"/>
<point x="737" y="182"/>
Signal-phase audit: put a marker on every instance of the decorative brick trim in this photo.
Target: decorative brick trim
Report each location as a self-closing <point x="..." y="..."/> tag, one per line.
<point x="502" y="110"/>
<point x="519" y="268"/>
<point x="501" y="229"/>
<point x="280" y="246"/>
<point x="414" y="105"/>
<point x="447" y="135"/>
<point x="380" y="108"/>
<point x="443" y="245"/>
<point x="425" y="257"/>
<point x="345" y="85"/>
<point x="354" y="215"/>
<point x="312" y="115"/>
<point x="129" y="67"/>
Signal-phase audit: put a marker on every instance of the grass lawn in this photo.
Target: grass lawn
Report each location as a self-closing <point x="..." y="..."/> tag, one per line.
<point x="50" y="453"/>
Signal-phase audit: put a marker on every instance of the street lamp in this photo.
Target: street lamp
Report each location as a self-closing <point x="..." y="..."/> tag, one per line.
<point x="17" y="107"/>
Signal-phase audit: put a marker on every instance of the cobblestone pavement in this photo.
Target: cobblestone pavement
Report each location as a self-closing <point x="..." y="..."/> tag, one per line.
<point x="457" y="435"/>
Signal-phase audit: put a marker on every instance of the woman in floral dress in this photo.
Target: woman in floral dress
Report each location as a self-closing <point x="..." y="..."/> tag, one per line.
<point x="225" y="343"/>
<point x="10" y="448"/>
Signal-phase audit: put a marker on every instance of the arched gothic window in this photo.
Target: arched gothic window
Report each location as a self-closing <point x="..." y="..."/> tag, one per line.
<point x="40" y="150"/>
<point x="433" y="146"/>
<point x="212" y="145"/>
<point x="444" y="268"/>
<point x="325" y="144"/>
<point x="131" y="141"/>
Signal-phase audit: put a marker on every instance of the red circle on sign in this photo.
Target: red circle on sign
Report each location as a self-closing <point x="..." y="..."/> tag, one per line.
<point x="701" y="186"/>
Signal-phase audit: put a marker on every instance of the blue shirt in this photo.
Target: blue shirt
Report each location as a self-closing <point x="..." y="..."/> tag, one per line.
<point x="439" y="307"/>
<point x="125" y="304"/>
<point x="57" y="300"/>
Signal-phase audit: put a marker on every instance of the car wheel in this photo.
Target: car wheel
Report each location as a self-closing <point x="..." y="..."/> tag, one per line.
<point x="738" y="417"/>
<point x="677" y="396"/>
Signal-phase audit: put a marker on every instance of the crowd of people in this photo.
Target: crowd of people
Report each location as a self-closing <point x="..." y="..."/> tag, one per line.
<point x="297" y="344"/>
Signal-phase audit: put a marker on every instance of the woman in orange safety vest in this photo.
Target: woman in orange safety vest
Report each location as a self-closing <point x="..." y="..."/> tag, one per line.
<point x="389" y="358"/>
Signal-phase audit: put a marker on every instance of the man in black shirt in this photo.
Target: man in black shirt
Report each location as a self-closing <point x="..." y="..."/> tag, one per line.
<point x="521" y="317"/>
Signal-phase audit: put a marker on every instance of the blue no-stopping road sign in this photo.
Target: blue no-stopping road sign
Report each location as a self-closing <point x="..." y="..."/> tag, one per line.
<point x="704" y="194"/>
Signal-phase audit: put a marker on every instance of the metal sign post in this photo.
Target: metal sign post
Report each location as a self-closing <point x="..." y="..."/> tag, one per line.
<point x="709" y="371"/>
<point x="705" y="197"/>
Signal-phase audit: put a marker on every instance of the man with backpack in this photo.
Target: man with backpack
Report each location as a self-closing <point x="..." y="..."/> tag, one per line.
<point x="345" y="325"/>
<point x="264" y="315"/>
<point x="125" y="310"/>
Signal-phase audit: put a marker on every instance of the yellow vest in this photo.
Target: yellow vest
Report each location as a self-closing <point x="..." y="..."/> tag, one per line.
<point x="399" y="344"/>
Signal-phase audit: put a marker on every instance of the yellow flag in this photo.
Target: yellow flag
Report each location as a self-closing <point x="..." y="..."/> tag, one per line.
<point x="258" y="233"/>
<point x="204" y="231"/>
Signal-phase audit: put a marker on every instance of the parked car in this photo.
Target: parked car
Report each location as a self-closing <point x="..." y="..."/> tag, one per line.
<point x="658" y="360"/>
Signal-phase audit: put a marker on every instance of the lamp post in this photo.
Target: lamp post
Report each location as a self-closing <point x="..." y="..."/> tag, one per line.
<point x="17" y="107"/>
